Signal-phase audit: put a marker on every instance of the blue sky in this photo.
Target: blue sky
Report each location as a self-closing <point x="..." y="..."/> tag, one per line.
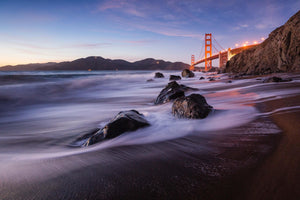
<point x="50" y="30"/>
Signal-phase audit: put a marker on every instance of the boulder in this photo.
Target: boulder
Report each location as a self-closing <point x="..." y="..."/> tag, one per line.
<point x="159" y="75"/>
<point x="174" y="78"/>
<point x="211" y="79"/>
<point x="150" y="80"/>
<point x="280" y="52"/>
<point x="201" y="78"/>
<point x="187" y="73"/>
<point x="276" y="79"/>
<point x="125" y="121"/>
<point x="193" y="106"/>
<point x="172" y="91"/>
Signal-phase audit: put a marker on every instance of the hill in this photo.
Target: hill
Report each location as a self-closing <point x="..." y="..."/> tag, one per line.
<point x="99" y="63"/>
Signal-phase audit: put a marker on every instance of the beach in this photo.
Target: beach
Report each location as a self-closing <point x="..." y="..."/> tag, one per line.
<point x="247" y="148"/>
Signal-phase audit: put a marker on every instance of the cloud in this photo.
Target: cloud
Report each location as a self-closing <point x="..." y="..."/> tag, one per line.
<point x="123" y="6"/>
<point x="41" y="47"/>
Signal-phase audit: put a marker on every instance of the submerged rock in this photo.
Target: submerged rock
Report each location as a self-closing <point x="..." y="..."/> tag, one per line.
<point x="276" y="79"/>
<point x="201" y="78"/>
<point x="187" y="73"/>
<point x="174" y="78"/>
<point x="193" y="106"/>
<point x="150" y="80"/>
<point x="159" y="75"/>
<point x="172" y="91"/>
<point x="130" y="120"/>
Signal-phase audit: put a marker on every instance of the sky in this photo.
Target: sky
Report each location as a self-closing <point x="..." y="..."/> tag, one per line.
<point x="41" y="31"/>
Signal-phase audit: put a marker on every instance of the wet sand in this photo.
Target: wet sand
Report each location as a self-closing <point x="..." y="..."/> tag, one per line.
<point x="279" y="175"/>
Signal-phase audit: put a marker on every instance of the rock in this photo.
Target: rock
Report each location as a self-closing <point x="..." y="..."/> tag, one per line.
<point x="201" y="78"/>
<point x="212" y="79"/>
<point x="174" y="78"/>
<point x="276" y="79"/>
<point x="229" y="81"/>
<point x="280" y="52"/>
<point x="130" y="120"/>
<point x="150" y="80"/>
<point x="159" y="75"/>
<point x="172" y="91"/>
<point x="187" y="73"/>
<point x="193" y="106"/>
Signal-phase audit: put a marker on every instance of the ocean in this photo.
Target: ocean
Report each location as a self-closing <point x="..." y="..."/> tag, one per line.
<point x="42" y="113"/>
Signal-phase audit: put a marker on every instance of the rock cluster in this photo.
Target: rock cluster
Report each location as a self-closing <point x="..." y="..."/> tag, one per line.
<point x="280" y="52"/>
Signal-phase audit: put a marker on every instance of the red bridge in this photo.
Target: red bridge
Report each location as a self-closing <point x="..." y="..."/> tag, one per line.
<point x="223" y="56"/>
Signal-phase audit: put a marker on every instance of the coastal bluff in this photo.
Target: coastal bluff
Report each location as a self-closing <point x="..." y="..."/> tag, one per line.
<point x="280" y="52"/>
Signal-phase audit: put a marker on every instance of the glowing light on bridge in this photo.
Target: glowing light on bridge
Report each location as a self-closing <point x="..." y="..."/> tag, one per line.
<point x="262" y="39"/>
<point x="255" y="42"/>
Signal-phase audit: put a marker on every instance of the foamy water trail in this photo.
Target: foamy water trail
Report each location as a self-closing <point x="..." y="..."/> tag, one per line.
<point x="40" y="118"/>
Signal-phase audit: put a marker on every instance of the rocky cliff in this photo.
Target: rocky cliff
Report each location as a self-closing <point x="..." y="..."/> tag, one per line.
<point x="280" y="52"/>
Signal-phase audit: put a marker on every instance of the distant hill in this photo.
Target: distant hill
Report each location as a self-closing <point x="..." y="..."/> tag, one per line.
<point x="99" y="63"/>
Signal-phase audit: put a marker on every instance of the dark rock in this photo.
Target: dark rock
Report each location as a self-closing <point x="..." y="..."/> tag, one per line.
<point x="130" y="120"/>
<point x="174" y="78"/>
<point x="201" y="78"/>
<point x="280" y="52"/>
<point x="276" y="79"/>
<point x="193" y="106"/>
<point x="229" y="81"/>
<point x="187" y="73"/>
<point x="212" y="79"/>
<point x="150" y="80"/>
<point x="159" y="75"/>
<point x="172" y="91"/>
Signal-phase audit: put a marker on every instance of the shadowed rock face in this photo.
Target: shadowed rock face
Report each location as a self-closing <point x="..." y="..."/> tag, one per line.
<point x="187" y="73"/>
<point x="172" y="91"/>
<point x="174" y="78"/>
<point x="159" y="75"/>
<point x="278" y="53"/>
<point x="193" y="107"/>
<point x="125" y="121"/>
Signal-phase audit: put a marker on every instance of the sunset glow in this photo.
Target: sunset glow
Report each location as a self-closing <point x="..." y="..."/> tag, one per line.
<point x="52" y="31"/>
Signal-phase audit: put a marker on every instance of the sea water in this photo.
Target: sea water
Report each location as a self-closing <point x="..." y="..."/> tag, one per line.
<point x="42" y="113"/>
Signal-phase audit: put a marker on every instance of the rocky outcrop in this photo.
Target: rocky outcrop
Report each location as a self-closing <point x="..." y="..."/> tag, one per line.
<point x="280" y="52"/>
<point x="276" y="79"/>
<point x="193" y="107"/>
<point x="159" y="75"/>
<point x="172" y="91"/>
<point x="174" y="78"/>
<point x="130" y="120"/>
<point x="187" y="73"/>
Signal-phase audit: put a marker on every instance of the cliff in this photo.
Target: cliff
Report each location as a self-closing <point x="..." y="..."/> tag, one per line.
<point x="99" y="63"/>
<point x="280" y="52"/>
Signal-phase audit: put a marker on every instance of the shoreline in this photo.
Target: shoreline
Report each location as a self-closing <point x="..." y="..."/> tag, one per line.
<point x="244" y="162"/>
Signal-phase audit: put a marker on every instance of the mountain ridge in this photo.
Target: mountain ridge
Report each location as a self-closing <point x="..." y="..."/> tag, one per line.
<point x="98" y="63"/>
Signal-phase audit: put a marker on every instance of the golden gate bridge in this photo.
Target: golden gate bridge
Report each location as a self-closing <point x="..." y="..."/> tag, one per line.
<point x="224" y="55"/>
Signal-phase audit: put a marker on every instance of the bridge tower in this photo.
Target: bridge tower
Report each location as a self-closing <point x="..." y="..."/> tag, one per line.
<point x="208" y="50"/>
<point x="192" y="67"/>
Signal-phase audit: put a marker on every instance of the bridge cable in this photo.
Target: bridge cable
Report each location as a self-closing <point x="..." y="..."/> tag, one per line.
<point x="215" y="49"/>
<point x="218" y="43"/>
